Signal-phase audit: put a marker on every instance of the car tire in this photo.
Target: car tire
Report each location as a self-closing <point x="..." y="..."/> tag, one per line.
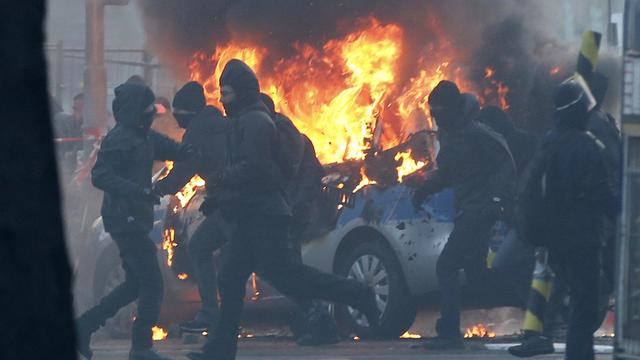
<point x="110" y="274"/>
<point x="374" y="264"/>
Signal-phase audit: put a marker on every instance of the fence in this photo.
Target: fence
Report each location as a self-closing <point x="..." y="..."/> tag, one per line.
<point x="66" y="71"/>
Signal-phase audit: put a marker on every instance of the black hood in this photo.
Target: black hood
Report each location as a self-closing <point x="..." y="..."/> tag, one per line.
<point x="497" y="120"/>
<point x="244" y="83"/>
<point x="129" y="105"/>
<point x="471" y="106"/>
<point x="571" y="107"/>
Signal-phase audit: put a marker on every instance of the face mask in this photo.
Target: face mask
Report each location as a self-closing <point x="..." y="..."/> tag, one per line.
<point x="147" y="119"/>
<point x="184" y="119"/>
<point x="230" y="108"/>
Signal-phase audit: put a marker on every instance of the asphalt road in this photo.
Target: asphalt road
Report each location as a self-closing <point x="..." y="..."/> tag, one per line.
<point x="283" y="349"/>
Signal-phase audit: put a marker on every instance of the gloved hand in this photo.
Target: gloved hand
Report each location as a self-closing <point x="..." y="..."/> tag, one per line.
<point x="189" y="152"/>
<point x="419" y="197"/>
<point x="208" y="206"/>
<point x="151" y="196"/>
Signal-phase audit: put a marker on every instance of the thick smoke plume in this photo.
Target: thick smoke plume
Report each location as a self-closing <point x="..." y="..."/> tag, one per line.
<point x="514" y="37"/>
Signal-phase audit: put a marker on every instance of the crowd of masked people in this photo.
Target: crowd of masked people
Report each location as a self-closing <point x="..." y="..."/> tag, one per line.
<point x="261" y="173"/>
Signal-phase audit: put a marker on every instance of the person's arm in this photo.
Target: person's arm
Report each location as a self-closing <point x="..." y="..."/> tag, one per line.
<point x="164" y="148"/>
<point x="105" y="177"/>
<point x="437" y="180"/>
<point x="504" y="180"/>
<point x="257" y="145"/>
<point x="181" y="173"/>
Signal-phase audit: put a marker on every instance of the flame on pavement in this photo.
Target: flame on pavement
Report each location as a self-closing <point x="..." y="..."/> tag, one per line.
<point x="159" y="333"/>
<point x="479" y="331"/>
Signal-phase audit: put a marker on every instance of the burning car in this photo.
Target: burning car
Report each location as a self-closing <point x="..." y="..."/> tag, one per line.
<point x="367" y="117"/>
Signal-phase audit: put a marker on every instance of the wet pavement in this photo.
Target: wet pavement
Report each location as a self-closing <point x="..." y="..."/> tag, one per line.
<point x="285" y="349"/>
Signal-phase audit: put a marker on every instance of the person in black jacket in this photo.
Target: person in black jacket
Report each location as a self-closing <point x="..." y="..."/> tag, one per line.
<point x="477" y="164"/>
<point x="318" y="326"/>
<point x="515" y="258"/>
<point x="601" y="126"/>
<point x="251" y="194"/>
<point x="123" y="172"/>
<point x="207" y="131"/>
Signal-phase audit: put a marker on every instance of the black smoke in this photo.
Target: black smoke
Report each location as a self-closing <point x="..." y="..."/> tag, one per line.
<point x="511" y="36"/>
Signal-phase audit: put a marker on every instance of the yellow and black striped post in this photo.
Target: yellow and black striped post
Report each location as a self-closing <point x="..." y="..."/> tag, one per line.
<point x="541" y="287"/>
<point x="588" y="57"/>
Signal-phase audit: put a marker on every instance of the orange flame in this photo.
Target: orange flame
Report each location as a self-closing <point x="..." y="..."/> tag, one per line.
<point x="335" y="93"/>
<point x="159" y="333"/>
<point x="478" y="331"/>
<point x="169" y="243"/>
<point x="408" y="165"/>
<point x="188" y="191"/>
<point x="183" y="276"/>
<point x="408" y="335"/>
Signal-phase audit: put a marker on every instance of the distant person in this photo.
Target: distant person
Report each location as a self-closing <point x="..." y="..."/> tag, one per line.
<point x="69" y="136"/>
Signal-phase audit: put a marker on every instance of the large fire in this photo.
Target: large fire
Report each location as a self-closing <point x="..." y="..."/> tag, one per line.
<point x="339" y="94"/>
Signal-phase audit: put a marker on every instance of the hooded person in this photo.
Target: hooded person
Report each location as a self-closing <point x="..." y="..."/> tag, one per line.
<point x="123" y="172"/>
<point x="251" y="185"/>
<point x="317" y="326"/>
<point x="577" y="197"/>
<point x="207" y="131"/>
<point x="477" y="164"/>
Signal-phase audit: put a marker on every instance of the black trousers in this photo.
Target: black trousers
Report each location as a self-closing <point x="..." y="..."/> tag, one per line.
<point x="315" y="314"/>
<point x="210" y="236"/>
<point x="581" y="267"/>
<point x="466" y="249"/>
<point x="260" y="244"/>
<point x="143" y="281"/>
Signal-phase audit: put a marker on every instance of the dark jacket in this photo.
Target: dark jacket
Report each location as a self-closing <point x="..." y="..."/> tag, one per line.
<point x="578" y="182"/>
<point x="521" y="144"/>
<point x="124" y="163"/>
<point x="307" y="185"/>
<point x="208" y="132"/>
<point x="253" y="182"/>
<point x="477" y="164"/>
<point x="601" y="125"/>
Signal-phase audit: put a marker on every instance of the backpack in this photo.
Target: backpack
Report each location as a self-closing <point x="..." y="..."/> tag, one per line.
<point x="290" y="148"/>
<point x="538" y="213"/>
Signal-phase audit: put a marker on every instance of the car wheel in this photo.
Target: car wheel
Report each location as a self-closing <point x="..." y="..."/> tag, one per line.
<point x="374" y="264"/>
<point x="108" y="276"/>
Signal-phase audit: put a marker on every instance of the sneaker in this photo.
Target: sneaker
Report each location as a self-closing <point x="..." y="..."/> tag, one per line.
<point x="148" y="354"/>
<point x="532" y="345"/>
<point x="441" y="343"/>
<point x="195" y="326"/>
